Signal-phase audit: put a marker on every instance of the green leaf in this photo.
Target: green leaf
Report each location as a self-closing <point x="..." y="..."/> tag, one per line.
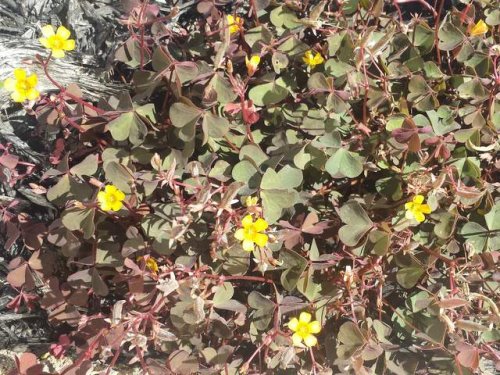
<point x="264" y="310"/>
<point x="275" y="201"/>
<point x="350" y="334"/>
<point x="446" y="226"/>
<point x="294" y="265"/>
<point x="259" y="33"/>
<point x="222" y="88"/>
<point x="358" y="223"/>
<point x="283" y="17"/>
<point x="408" y="277"/>
<point x="79" y="219"/>
<point x="267" y="94"/>
<point x="128" y="126"/>
<point x="338" y="69"/>
<point x="87" y="167"/>
<point x="279" y="61"/>
<point x="308" y="287"/>
<point x="182" y="114"/>
<point x="344" y="163"/>
<point x="475" y="235"/>
<point x="246" y="171"/>
<point x="120" y="176"/>
<point x="215" y="126"/>
<point x="288" y="177"/>
<point x="224" y="293"/>
<point x="449" y="37"/>
<point x="378" y="243"/>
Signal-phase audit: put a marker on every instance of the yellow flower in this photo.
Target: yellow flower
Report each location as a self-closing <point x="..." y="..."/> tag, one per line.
<point x="250" y="235"/>
<point x="312" y="59"/>
<point x="150" y="264"/>
<point x="416" y="209"/>
<point x="111" y="199"/>
<point x="22" y="86"/>
<point x="57" y="42"/>
<point x="252" y="64"/>
<point x="234" y="23"/>
<point x="479" y="28"/>
<point x="304" y="329"/>
<point x="251" y="201"/>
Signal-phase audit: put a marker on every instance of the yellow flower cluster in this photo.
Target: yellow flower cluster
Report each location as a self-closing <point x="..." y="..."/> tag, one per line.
<point x="252" y="64"/>
<point x="234" y="23"/>
<point x="22" y="85"/>
<point x="416" y="209"/>
<point x="480" y="28"/>
<point x="304" y="329"/>
<point x="250" y="233"/>
<point x="312" y="59"/>
<point x="151" y="264"/>
<point x="111" y="199"/>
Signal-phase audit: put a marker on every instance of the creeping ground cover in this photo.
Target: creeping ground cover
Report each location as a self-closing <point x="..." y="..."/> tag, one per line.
<point x="287" y="187"/>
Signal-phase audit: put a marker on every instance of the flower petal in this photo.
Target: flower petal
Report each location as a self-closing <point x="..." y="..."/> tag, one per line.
<point x="58" y="53"/>
<point x="409" y="205"/>
<point x="44" y="42"/>
<point x="310" y="340"/>
<point x="101" y="196"/>
<point x="293" y="324"/>
<point x="247" y="221"/>
<point x="260" y="225"/>
<point x="9" y="84"/>
<point x="69" y="45"/>
<point x="409" y="215"/>
<point x="260" y="239"/>
<point x="418" y="199"/>
<point x="296" y="339"/>
<point x="110" y="189"/>
<point x="63" y="32"/>
<point x="305" y="317"/>
<point x="116" y="206"/>
<point x="120" y="195"/>
<point x="32" y="80"/>
<point x="425" y="208"/>
<point x="248" y="245"/>
<point x="239" y="234"/>
<point x="419" y="216"/>
<point x="48" y="31"/>
<point x="315" y="327"/>
<point x="18" y="97"/>
<point x="33" y="94"/>
<point x="20" y="74"/>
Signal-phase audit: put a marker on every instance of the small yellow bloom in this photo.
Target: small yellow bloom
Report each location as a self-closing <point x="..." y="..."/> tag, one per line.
<point x="416" y="209"/>
<point x="234" y="23"/>
<point x="479" y="28"/>
<point x="304" y="329"/>
<point x="150" y="264"/>
<point x="22" y="86"/>
<point x="251" y="201"/>
<point x="252" y="64"/>
<point x="250" y="235"/>
<point x="111" y="199"/>
<point x="312" y="59"/>
<point x="57" y="42"/>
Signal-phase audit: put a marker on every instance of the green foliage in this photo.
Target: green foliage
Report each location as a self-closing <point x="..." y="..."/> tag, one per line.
<point x="332" y="152"/>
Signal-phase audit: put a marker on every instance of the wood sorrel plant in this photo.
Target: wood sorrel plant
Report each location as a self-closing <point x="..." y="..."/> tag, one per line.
<point x="297" y="186"/>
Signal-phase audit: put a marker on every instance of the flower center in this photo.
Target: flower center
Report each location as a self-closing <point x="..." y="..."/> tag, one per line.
<point x="23" y="85"/>
<point x="112" y="198"/>
<point x="303" y="329"/>
<point x="250" y="232"/>
<point x="56" y="42"/>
